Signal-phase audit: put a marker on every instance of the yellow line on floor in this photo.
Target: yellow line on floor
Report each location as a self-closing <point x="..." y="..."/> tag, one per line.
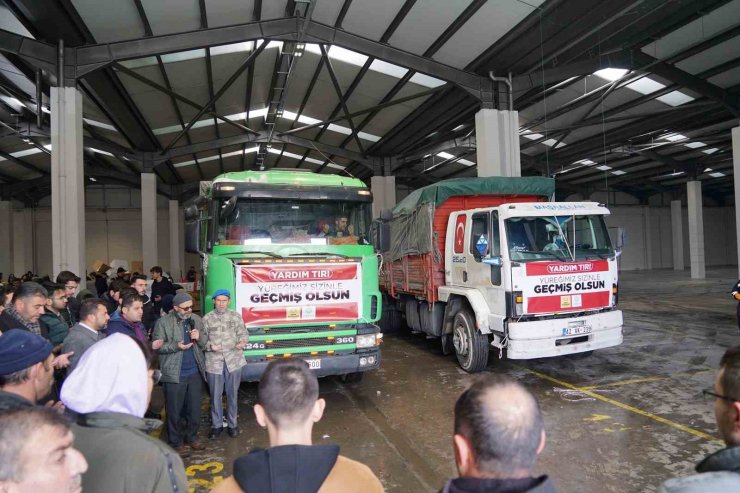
<point x="623" y="382"/>
<point x="621" y="405"/>
<point x="642" y="380"/>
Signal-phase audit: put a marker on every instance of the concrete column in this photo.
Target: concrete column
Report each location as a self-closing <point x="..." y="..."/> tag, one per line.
<point x="175" y="233"/>
<point x="497" y="141"/>
<point x="67" y="182"/>
<point x="736" y="172"/>
<point x="696" y="230"/>
<point x="23" y="248"/>
<point x="648" y="237"/>
<point x="6" y="238"/>
<point x="384" y="193"/>
<point x="149" y="251"/>
<point x="677" y="234"/>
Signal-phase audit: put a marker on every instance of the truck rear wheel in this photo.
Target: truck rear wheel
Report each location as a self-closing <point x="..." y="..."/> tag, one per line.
<point x="471" y="346"/>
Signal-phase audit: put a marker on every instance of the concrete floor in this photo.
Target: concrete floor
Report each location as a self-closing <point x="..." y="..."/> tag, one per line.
<point x="621" y="420"/>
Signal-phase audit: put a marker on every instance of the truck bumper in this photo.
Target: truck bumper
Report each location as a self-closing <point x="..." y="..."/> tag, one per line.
<point x="330" y="365"/>
<point x="544" y="338"/>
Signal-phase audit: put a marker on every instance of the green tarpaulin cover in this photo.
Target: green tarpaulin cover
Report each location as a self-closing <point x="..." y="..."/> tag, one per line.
<point x="439" y="192"/>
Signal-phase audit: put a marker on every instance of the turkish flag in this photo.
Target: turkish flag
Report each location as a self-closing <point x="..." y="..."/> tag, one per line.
<point x="460" y="234"/>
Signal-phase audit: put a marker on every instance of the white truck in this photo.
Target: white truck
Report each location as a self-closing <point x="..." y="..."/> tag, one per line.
<point x="491" y="262"/>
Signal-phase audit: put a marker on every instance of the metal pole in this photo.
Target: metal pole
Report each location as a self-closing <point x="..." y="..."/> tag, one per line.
<point x="39" y="106"/>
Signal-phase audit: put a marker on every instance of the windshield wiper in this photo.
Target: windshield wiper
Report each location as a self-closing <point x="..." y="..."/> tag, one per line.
<point x="267" y="254"/>
<point x="311" y="254"/>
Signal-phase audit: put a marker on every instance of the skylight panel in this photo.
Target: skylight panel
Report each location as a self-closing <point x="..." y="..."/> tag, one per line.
<point x="710" y="151"/>
<point x="445" y="155"/>
<point x="670" y="175"/>
<point x="619" y="172"/>
<point x="675" y="98"/>
<point x="26" y="152"/>
<point x="12" y="102"/>
<point x="426" y="81"/>
<point x="717" y="174"/>
<point x="213" y="158"/>
<point x="232" y="48"/>
<point x="466" y="162"/>
<point x="181" y="56"/>
<point x="604" y="168"/>
<point x="695" y="145"/>
<point x="552" y="142"/>
<point x="587" y="162"/>
<point x="347" y="56"/>
<point x="645" y="85"/>
<point x="388" y="68"/>
<point x="98" y="151"/>
<point x="674" y="137"/>
<point x="98" y="124"/>
<point x="532" y="136"/>
<point x="611" y="74"/>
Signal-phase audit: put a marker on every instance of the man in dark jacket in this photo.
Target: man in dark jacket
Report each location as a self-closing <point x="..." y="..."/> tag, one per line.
<point x="180" y="339"/>
<point x="71" y="283"/>
<point x="719" y="471"/>
<point x="288" y="405"/>
<point x="26" y="369"/>
<point x="138" y="282"/>
<point x="25" y="309"/>
<point x="498" y="435"/>
<point x="93" y="319"/>
<point x="112" y="297"/>
<point x="56" y="304"/>
<point x="129" y="323"/>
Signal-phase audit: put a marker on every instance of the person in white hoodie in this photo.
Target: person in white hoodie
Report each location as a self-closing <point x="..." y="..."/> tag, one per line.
<point x="107" y="396"/>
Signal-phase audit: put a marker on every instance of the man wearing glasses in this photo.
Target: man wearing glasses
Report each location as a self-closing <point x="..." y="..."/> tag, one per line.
<point x="719" y="471"/>
<point x="180" y="339"/>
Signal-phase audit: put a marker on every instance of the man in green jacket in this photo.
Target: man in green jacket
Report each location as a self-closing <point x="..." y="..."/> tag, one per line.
<point x="180" y="339"/>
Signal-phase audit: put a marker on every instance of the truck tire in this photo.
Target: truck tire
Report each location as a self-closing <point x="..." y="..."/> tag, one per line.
<point x="471" y="346"/>
<point x="352" y="377"/>
<point x="447" y="346"/>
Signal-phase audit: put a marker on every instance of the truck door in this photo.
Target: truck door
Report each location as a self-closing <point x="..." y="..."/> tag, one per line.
<point x="484" y="242"/>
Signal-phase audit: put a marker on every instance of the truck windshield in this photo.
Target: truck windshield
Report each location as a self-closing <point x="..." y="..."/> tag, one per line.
<point x="298" y="222"/>
<point x="562" y="238"/>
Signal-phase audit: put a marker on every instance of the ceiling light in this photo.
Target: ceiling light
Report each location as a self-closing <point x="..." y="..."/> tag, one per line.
<point x="619" y="172"/>
<point x="611" y="74"/>
<point x="717" y="174"/>
<point x="710" y="151"/>
<point x="604" y="168"/>
<point x="445" y="155"/>
<point x="695" y="145"/>
<point x="674" y="137"/>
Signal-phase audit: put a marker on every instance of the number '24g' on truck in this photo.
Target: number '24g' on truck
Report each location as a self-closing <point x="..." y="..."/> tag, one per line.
<point x="492" y="262"/>
<point x="292" y="248"/>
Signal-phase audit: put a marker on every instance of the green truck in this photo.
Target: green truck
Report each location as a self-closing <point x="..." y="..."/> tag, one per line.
<point x="292" y="247"/>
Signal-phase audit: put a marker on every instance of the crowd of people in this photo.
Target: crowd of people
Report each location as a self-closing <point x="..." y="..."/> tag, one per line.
<point x="76" y="381"/>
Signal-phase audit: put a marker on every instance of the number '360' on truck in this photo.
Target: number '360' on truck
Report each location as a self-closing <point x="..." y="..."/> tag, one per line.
<point x="492" y="262"/>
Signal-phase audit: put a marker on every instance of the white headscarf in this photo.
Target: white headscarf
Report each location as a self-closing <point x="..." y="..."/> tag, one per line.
<point x="110" y="377"/>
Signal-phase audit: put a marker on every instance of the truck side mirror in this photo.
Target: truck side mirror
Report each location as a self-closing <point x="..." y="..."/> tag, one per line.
<point x="192" y="236"/>
<point x="495" y="261"/>
<point x="191" y="213"/>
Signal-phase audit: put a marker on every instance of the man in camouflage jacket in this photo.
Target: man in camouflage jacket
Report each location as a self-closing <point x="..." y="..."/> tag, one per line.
<point x="224" y="360"/>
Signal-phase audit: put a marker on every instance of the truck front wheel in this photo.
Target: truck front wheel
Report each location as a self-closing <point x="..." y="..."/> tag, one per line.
<point x="471" y="346"/>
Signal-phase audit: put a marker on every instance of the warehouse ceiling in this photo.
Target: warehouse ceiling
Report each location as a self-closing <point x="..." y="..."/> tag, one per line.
<point x="634" y="96"/>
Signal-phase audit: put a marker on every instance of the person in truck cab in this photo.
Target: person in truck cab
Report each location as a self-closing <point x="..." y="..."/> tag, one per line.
<point x="341" y="227"/>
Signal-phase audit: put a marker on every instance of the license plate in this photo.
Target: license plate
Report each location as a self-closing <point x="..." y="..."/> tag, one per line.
<point x="314" y="364"/>
<point x="577" y="328"/>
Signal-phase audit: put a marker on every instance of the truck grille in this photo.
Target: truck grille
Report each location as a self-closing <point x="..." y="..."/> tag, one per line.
<point x="293" y="330"/>
<point x="312" y="341"/>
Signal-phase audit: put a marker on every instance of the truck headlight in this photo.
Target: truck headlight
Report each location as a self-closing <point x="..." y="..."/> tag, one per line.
<point x="365" y="340"/>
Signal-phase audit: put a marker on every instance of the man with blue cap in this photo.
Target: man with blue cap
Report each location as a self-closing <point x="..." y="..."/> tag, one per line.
<point x="26" y="369"/>
<point x="227" y="338"/>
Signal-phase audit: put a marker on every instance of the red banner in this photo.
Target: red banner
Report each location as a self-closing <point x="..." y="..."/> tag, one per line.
<point x="294" y="273"/>
<point x="559" y="268"/>
<point x="257" y="316"/>
<point x="585" y="301"/>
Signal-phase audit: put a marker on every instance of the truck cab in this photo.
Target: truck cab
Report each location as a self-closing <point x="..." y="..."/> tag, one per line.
<point x="540" y="278"/>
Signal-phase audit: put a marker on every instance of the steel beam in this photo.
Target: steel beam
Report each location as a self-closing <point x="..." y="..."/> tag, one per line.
<point x="37" y="53"/>
<point x="92" y="57"/>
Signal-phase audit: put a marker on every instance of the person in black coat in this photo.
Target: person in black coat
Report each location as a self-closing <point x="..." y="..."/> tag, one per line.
<point x="736" y="295"/>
